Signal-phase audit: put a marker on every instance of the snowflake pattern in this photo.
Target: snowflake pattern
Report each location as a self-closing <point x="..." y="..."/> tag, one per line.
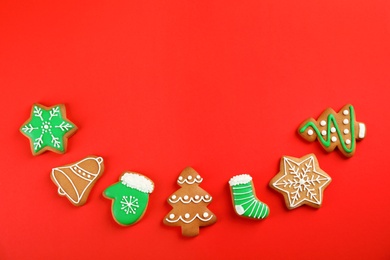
<point x="47" y="128"/>
<point x="302" y="181"/>
<point x="129" y="204"/>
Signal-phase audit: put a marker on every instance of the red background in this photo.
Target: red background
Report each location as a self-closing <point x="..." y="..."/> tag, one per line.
<point x="155" y="86"/>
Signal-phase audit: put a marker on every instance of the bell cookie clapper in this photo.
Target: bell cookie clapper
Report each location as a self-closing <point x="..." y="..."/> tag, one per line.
<point x="48" y="129"/>
<point x="333" y="130"/>
<point x="75" y="181"/>
<point x="190" y="205"/>
<point x="130" y="197"/>
<point x="245" y="202"/>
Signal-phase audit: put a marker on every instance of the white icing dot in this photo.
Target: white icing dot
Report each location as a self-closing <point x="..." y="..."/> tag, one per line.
<point x="205" y="215"/>
<point x="79" y="171"/>
<point x="83" y="173"/>
<point x="189" y="177"/>
<point x="75" y="168"/>
<point x="186" y="215"/>
<point x="346" y="131"/>
<point x="345" y="112"/>
<point x="173" y="197"/>
<point x="348" y="141"/>
<point x="198" y="177"/>
<point x="196" y="197"/>
<point x="89" y="176"/>
<point x="172" y="216"/>
<point x="323" y="132"/>
<point x="206" y="196"/>
<point x="334" y="139"/>
<point x="345" y="121"/>
<point x="185" y="197"/>
<point x="323" y="123"/>
<point x="180" y="178"/>
<point x="310" y="132"/>
<point x="333" y="130"/>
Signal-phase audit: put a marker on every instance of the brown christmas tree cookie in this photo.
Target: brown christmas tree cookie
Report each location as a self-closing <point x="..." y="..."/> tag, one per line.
<point x="334" y="130"/>
<point x="76" y="180"/>
<point x="190" y="205"/>
<point x="301" y="181"/>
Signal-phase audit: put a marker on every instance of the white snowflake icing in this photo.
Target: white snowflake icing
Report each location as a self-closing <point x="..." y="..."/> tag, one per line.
<point x="45" y="127"/>
<point x="129" y="204"/>
<point x="301" y="182"/>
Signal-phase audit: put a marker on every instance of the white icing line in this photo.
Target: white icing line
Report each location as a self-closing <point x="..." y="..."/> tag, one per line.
<point x="362" y="130"/>
<point x="189" y="221"/>
<point x="190" y="200"/>
<point x="189" y="182"/>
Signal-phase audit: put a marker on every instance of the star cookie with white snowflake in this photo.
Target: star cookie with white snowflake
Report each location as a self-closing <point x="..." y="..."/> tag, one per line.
<point x="301" y="181"/>
<point x="333" y="130"/>
<point x="130" y="197"/>
<point x="48" y="129"/>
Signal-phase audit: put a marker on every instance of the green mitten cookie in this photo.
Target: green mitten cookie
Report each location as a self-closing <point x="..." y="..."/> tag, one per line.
<point x="130" y="197"/>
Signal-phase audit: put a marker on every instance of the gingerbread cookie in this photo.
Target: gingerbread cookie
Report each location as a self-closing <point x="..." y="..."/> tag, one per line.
<point x="190" y="205"/>
<point x="130" y="197"/>
<point x="76" y="180"/>
<point x="301" y="181"/>
<point x="334" y="130"/>
<point x="48" y="129"/>
<point x="245" y="202"/>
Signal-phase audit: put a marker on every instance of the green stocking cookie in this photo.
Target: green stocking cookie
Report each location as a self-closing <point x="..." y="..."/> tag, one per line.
<point x="130" y="197"/>
<point x="244" y="198"/>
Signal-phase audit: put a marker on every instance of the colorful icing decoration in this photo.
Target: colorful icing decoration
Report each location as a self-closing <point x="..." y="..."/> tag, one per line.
<point x="334" y="130"/>
<point x="245" y="202"/>
<point x="301" y="181"/>
<point x="48" y="129"/>
<point x="130" y="197"/>
<point x="190" y="205"/>
<point x="76" y="180"/>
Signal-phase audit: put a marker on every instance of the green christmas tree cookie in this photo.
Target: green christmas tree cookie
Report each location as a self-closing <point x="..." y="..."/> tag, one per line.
<point x="244" y="198"/>
<point x="130" y="197"/>
<point x="48" y="129"/>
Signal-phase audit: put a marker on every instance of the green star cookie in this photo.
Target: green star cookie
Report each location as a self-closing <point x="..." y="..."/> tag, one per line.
<point x="48" y="129"/>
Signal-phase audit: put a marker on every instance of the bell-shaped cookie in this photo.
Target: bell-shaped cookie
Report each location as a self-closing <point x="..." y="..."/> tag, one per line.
<point x="76" y="180"/>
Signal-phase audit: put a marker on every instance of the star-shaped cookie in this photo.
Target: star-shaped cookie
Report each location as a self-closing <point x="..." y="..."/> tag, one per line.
<point x="48" y="129"/>
<point x="301" y="181"/>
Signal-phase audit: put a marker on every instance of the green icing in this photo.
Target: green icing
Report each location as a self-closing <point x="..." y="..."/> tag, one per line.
<point x="246" y="204"/>
<point x="47" y="128"/>
<point x="332" y="121"/>
<point x="129" y="204"/>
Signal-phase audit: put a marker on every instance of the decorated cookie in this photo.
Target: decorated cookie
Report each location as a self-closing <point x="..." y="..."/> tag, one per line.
<point x="190" y="205"/>
<point x="334" y="130"/>
<point x="130" y="197"/>
<point x="245" y="202"/>
<point x="301" y="181"/>
<point x="48" y="129"/>
<point x="76" y="180"/>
